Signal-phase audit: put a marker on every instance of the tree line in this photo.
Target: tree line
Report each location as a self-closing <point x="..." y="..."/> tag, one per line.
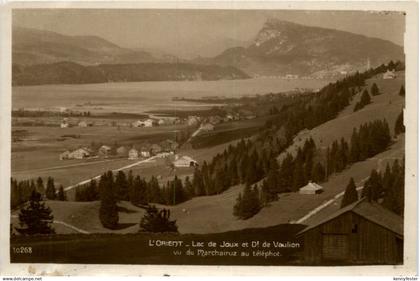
<point x="294" y="172"/>
<point x="21" y="191"/>
<point x="136" y="189"/>
<point x="385" y="188"/>
<point x="249" y="161"/>
<point x="368" y="140"/>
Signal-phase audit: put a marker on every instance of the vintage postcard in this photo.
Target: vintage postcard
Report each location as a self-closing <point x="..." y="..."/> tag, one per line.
<point x="152" y="138"/>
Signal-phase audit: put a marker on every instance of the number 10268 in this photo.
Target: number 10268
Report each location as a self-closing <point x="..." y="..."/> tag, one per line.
<point x="22" y="250"/>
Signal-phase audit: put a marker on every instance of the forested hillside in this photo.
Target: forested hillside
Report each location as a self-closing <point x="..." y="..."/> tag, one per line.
<point x="73" y="73"/>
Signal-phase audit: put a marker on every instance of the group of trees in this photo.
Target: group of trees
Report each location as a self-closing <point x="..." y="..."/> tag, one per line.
<point x="294" y="172"/>
<point x="364" y="100"/>
<point x="248" y="203"/>
<point x="120" y="187"/>
<point x="370" y="139"/>
<point x="137" y="190"/>
<point x="35" y="218"/>
<point x="21" y="191"/>
<point x="386" y="189"/>
<point x="157" y="221"/>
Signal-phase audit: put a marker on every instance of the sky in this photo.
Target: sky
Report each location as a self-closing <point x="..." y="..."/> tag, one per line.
<point x="190" y="33"/>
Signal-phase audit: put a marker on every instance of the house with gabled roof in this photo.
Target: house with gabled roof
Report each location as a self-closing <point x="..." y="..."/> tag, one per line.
<point x="311" y="188"/>
<point x="133" y="154"/>
<point x="361" y="233"/>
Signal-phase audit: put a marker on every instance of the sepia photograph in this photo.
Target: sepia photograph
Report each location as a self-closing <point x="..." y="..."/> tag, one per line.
<point x="246" y="137"/>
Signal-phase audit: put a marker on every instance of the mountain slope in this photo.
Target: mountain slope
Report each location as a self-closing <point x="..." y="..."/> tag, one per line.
<point x="73" y="73"/>
<point x="283" y="47"/>
<point x="32" y="46"/>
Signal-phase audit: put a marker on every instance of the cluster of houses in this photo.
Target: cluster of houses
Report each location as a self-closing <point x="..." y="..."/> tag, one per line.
<point x="164" y="148"/>
<point x="192" y="120"/>
<point x="65" y="123"/>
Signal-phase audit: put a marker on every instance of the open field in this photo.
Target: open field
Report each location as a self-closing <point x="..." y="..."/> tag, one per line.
<point x="84" y="215"/>
<point x="218" y="209"/>
<point x="229" y="131"/>
<point x="38" y="154"/>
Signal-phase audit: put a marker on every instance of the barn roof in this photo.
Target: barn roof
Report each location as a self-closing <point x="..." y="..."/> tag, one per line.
<point x="370" y="211"/>
<point x="311" y="186"/>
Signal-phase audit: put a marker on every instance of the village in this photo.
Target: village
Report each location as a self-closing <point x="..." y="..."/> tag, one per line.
<point x="164" y="149"/>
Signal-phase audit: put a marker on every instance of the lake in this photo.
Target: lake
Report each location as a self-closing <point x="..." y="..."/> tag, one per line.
<point x="138" y="97"/>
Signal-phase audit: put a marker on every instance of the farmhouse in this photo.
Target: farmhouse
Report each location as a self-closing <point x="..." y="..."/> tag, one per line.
<point x="144" y="123"/>
<point x="155" y="149"/>
<point x="145" y="151"/>
<point x="207" y="127"/>
<point x="185" y="161"/>
<point x="64" y="155"/>
<point x="104" y="150"/>
<point x="311" y="188"/>
<point x="82" y="124"/>
<point x="122" y="151"/>
<point x="169" y="145"/>
<point x="193" y="120"/>
<point x="389" y="75"/>
<point x="64" y="123"/>
<point x="215" y="120"/>
<point x="361" y="233"/>
<point x="79" y="153"/>
<point x="133" y="154"/>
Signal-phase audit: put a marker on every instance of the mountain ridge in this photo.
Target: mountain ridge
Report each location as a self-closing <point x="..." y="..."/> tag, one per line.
<point x="282" y="47"/>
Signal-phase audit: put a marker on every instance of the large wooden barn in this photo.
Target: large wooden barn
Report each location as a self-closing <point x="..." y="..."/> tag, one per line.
<point x="361" y="233"/>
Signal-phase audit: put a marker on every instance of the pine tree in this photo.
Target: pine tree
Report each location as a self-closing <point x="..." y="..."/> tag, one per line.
<point x="399" y="127"/>
<point x="157" y="221"/>
<point x="121" y="186"/>
<point x="350" y="195"/>
<point x="374" y="91"/>
<point x="318" y="173"/>
<point x="387" y="179"/>
<point x="108" y="211"/>
<point x="198" y="183"/>
<point x="248" y="203"/>
<point x="273" y="178"/>
<point x="50" y="192"/>
<point x="267" y="195"/>
<point x="365" y="99"/>
<point x="61" y="195"/>
<point x="373" y="187"/>
<point x="298" y="175"/>
<point x="402" y="91"/>
<point x="35" y="218"/>
<point x="188" y="187"/>
<point x="40" y="186"/>
<point x="394" y="196"/>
